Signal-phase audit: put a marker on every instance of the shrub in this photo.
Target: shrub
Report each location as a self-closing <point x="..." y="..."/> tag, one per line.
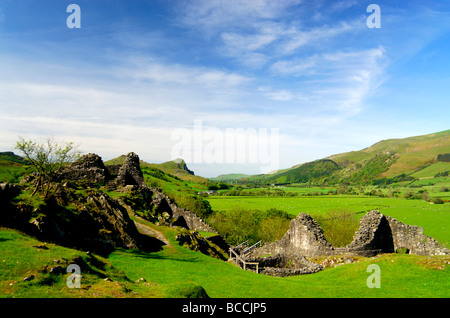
<point x="236" y="225"/>
<point x="402" y="250"/>
<point x="239" y="225"/>
<point x="425" y="196"/>
<point x="438" y="201"/>
<point x="338" y="226"/>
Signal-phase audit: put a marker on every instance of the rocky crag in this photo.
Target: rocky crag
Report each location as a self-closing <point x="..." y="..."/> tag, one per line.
<point x="80" y="215"/>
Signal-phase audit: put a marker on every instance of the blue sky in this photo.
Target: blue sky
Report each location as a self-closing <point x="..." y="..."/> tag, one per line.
<point x="136" y="71"/>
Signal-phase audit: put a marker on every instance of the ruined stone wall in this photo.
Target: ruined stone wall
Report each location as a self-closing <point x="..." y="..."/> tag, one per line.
<point x="373" y="236"/>
<point x="182" y="217"/>
<point x="193" y="221"/>
<point x="411" y="237"/>
<point x="304" y="237"/>
<point x="377" y="233"/>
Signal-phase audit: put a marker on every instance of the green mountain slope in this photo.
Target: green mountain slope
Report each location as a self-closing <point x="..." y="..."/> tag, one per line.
<point x="310" y="171"/>
<point x="405" y="155"/>
<point x="385" y="159"/>
<point x="229" y="177"/>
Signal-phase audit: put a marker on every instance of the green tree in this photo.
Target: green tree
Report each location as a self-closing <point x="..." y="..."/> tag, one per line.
<point x="48" y="158"/>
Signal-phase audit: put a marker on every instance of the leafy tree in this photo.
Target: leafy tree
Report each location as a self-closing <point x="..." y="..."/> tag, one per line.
<point x="445" y="157"/>
<point x="48" y="158"/>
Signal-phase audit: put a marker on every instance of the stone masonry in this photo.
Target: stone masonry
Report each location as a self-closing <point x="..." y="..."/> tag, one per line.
<point x="377" y="234"/>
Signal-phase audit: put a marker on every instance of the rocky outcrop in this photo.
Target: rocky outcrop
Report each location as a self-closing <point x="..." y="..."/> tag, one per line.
<point x="99" y="224"/>
<point x="88" y="167"/>
<point x="115" y="225"/>
<point x="8" y="191"/>
<point x="194" y="241"/>
<point x="130" y="172"/>
<point x="94" y="220"/>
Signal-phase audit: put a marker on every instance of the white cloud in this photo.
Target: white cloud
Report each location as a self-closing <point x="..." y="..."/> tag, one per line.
<point x="300" y="38"/>
<point x="253" y="33"/>
<point x="213" y="15"/>
<point x="179" y="74"/>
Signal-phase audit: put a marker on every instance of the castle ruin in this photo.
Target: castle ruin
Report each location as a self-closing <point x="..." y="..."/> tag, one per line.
<point x="377" y="234"/>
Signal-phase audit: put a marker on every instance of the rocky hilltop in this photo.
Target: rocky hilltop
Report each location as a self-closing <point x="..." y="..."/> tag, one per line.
<point x="81" y="214"/>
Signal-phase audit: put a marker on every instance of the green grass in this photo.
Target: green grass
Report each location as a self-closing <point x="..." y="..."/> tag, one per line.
<point x="176" y="272"/>
<point x="19" y="259"/>
<point x="12" y="172"/>
<point x="401" y="276"/>
<point x="432" y="170"/>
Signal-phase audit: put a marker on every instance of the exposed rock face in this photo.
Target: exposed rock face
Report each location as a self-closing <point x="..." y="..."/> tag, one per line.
<point x="89" y="167"/>
<point x="130" y="172"/>
<point x="95" y="221"/>
<point x="183" y="166"/>
<point x="100" y="224"/>
<point x="10" y="214"/>
<point x="8" y="191"/>
<point x="113" y="219"/>
<point x="194" y="241"/>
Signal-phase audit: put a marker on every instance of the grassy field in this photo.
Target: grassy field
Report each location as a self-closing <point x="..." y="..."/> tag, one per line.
<point x="175" y="270"/>
<point x="402" y="275"/>
<point x="434" y="218"/>
<point x="432" y="170"/>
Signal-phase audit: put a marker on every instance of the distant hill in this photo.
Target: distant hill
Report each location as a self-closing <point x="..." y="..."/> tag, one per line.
<point x="229" y="177"/>
<point x="12" y="157"/>
<point x="384" y="159"/>
<point x="405" y="155"/>
<point x="303" y="173"/>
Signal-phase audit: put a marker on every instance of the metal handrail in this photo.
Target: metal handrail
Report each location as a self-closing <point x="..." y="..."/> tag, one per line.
<point x="251" y="248"/>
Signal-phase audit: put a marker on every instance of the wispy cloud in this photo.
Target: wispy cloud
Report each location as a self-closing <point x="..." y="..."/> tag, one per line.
<point x="213" y="16"/>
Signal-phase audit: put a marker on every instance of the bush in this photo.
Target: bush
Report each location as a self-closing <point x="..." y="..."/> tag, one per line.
<point x="426" y="196"/>
<point x="235" y="226"/>
<point x="272" y="229"/>
<point x="338" y="226"/>
<point x="193" y="203"/>
<point x="239" y="225"/>
<point x="438" y="201"/>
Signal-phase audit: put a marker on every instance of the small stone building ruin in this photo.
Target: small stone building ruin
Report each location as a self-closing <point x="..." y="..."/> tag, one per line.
<point x="377" y="234"/>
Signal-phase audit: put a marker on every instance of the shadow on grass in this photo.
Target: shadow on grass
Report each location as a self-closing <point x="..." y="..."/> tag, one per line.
<point x="160" y="256"/>
<point x="150" y="244"/>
